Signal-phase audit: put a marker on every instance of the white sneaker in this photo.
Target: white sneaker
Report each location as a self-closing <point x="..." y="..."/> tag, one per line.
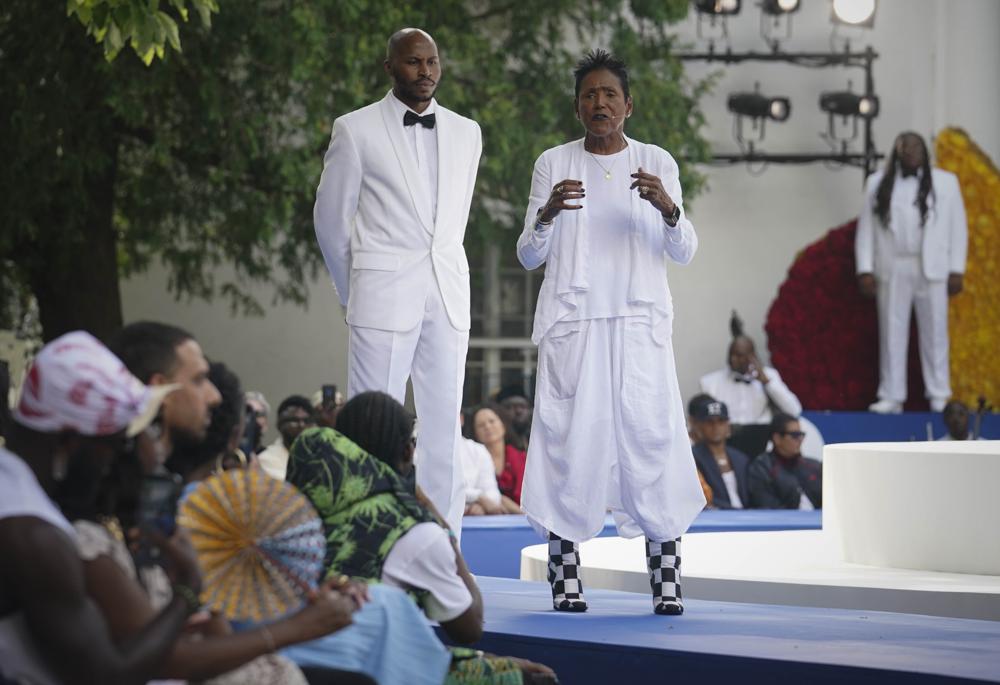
<point x="886" y="407"/>
<point x="937" y="404"/>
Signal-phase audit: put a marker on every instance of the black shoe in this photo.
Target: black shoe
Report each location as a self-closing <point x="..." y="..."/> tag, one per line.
<point x="669" y="609"/>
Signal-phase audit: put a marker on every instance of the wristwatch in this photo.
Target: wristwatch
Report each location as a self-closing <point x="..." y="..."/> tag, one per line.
<point x="674" y="217"/>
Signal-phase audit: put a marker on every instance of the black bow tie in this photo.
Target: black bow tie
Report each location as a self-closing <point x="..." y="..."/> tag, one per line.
<point x="742" y="379"/>
<point x="411" y="118"/>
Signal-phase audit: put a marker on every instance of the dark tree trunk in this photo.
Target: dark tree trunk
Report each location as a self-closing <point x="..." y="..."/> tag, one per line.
<point x="78" y="287"/>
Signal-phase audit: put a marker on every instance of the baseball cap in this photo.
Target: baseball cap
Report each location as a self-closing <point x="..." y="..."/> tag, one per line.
<point x="709" y="410"/>
<point x="76" y="383"/>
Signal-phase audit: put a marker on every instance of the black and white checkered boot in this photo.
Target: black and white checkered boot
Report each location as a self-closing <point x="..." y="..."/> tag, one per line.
<point x="664" y="560"/>
<point x="564" y="575"/>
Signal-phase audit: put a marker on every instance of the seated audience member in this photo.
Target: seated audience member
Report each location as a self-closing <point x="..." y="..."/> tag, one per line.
<point x="783" y="478"/>
<point x="209" y="652"/>
<point x="379" y="528"/>
<point x="723" y="468"/>
<point x="750" y="390"/>
<point x="482" y="496"/>
<point x="256" y="401"/>
<point x="489" y="428"/>
<point x="77" y="411"/>
<point x="693" y="407"/>
<point x="519" y="414"/>
<point x="956" y="420"/>
<point x="295" y="414"/>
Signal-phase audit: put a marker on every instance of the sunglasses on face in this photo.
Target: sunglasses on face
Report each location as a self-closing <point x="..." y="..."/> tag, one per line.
<point x="797" y="435"/>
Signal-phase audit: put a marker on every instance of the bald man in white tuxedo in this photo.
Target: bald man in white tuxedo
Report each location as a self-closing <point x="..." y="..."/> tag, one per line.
<point x="390" y="215"/>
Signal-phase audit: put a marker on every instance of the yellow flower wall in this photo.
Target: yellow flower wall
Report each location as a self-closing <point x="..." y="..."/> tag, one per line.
<point x="974" y="315"/>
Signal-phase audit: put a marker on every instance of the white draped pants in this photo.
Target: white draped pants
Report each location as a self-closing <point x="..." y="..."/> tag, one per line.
<point x="906" y="289"/>
<point x="432" y="355"/>
<point x="609" y="433"/>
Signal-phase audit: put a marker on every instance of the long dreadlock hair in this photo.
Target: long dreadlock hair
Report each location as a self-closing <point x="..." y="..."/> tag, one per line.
<point x="379" y="425"/>
<point x="883" y="195"/>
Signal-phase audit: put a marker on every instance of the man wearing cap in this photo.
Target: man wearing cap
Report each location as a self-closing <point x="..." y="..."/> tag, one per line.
<point x="79" y="402"/>
<point x="724" y="468"/>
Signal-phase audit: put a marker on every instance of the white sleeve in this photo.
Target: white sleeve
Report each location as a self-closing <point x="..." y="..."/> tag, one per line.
<point x="779" y="393"/>
<point x="424" y="559"/>
<point x="864" y="238"/>
<point x="958" y="230"/>
<point x="682" y="241"/>
<point x="337" y="205"/>
<point x="486" y="479"/>
<point x="533" y="245"/>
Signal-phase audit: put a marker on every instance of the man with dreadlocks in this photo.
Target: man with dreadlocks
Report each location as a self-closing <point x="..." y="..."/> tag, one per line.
<point x="910" y="251"/>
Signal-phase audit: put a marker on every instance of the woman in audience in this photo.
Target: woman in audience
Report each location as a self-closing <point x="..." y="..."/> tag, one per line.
<point x="379" y="528"/>
<point x="102" y="506"/>
<point x="489" y="427"/>
<point x="482" y="496"/>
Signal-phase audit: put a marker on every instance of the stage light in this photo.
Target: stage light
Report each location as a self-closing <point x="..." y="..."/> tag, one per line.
<point x="848" y="104"/>
<point x="778" y="7"/>
<point x="717" y="7"/>
<point x="854" y="12"/>
<point x="759" y="106"/>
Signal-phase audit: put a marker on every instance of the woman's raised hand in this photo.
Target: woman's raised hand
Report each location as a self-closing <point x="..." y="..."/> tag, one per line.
<point x="562" y="193"/>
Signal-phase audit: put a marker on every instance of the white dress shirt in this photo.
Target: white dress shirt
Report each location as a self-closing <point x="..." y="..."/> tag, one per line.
<point x="908" y="234"/>
<point x="423" y="145"/>
<point x="478" y="471"/>
<point x="751" y="402"/>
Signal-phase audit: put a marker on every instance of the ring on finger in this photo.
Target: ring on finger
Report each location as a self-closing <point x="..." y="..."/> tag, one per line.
<point x="559" y="189"/>
<point x="643" y="190"/>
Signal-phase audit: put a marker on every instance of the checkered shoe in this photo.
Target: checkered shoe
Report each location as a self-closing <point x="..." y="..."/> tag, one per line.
<point x="564" y="575"/>
<point x="664" y="560"/>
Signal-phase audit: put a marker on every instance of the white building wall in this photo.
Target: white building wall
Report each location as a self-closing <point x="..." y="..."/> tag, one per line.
<point x="938" y="66"/>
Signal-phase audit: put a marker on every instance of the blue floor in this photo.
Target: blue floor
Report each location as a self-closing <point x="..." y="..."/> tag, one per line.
<point x="620" y="640"/>
<point x="492" y="545"/>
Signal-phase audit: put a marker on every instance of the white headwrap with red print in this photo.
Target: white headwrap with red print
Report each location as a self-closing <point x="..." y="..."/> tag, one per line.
<point x="76" y="384"/>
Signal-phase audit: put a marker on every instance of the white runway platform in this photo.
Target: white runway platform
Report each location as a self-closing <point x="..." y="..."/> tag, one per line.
<point x="915" y="514"/>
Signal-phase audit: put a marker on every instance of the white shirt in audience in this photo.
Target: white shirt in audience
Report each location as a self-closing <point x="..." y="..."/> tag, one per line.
<point x="480" y="475"/>
<point x="274" y="459"/>
<point x="750" y="402"/>
<point x="732" y="489"/>
<point x="424" y="559"/>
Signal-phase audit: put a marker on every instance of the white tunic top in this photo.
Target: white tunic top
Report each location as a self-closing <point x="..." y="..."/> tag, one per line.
<point x="22" y="495"/>
<point x="608" y="201"/>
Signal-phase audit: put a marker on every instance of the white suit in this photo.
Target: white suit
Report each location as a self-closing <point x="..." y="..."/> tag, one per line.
<point x="608" y="429"/>
<point x="395" y="255"/>
<point x="911" y="265"/>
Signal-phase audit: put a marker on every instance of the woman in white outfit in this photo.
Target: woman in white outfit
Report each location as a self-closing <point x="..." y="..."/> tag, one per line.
<point x="605" y="216"/>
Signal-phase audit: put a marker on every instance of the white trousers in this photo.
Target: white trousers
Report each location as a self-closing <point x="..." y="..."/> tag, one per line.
<point x="433" y="356"/>
<point x="609" y="433"/>
<point x="906" y="289"/>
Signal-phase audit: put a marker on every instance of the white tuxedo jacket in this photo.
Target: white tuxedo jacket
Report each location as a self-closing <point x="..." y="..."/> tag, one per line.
<point x="945" y="232"/>
<point x="375" y="223"/>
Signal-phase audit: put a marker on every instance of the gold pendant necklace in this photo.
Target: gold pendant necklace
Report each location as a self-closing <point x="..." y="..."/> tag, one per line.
<point x="607" y="170"/>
